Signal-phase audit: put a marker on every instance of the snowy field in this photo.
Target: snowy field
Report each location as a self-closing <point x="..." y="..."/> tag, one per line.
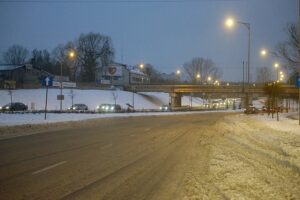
<point x="35" y="98"/>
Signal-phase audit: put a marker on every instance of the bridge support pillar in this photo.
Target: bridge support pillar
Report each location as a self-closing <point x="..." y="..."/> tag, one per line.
<point x="175" y="99"/>
<point x="246" y="101"/>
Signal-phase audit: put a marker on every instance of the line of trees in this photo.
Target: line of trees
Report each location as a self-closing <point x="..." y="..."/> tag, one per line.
<point x="93" y="50"/>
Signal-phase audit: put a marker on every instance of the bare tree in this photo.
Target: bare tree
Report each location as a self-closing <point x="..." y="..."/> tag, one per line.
<point x="203" y="67"/>
<point x="15" y="54"/>
<point x="93" y="50"/>
<point x="115" y="96"/>
<point x="263" y="74"/>
<point x="288" y="50"/>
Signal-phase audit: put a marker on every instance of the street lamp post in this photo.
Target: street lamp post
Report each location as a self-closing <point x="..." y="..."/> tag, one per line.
<point x="198" y="77"/>
<point x="178" y="75"/>
<point x="276" y="65"/>
<point x="230" y="23"/>
<point x="71" y="55"/>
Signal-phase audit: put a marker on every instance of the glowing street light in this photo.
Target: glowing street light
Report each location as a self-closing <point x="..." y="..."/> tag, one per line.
<point x="263" y="52"/>
<point x="209" y="78"/>
<point x="178" y="72"/>
<point x="230" y="22"/>
<point x="198" y="76"/>
<point x="142" y="66"/>
<point x="72" y="54"/>
<point x="276" y="65"/>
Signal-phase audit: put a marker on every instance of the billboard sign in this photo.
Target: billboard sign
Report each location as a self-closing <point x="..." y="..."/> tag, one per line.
<point x="113" y="71"/>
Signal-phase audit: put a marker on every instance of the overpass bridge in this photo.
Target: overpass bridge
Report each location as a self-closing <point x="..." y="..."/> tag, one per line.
<point x="221" y="91"/>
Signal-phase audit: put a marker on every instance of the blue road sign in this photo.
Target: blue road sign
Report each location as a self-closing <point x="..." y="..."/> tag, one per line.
<point x="298" y="81"/>
<point x="47" y="81"/>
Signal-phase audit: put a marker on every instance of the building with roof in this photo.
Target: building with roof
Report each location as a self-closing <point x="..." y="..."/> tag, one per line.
<point x="121" y="75"/>
<point x="19" y="76"/>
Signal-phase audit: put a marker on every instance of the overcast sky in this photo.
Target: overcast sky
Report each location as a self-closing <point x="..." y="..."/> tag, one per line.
<point x="165" y="34"/>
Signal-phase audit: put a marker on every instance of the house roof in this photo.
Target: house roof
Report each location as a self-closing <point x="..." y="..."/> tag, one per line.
<point x="8" y="67"/>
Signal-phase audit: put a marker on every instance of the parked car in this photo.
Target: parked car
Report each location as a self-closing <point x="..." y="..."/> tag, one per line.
<point x="251" y="110"/>
<point x="15" y="106"/>
<point x="78" y="107"/>
<point x="165" y="108"/>
<point x="109" y="108"/>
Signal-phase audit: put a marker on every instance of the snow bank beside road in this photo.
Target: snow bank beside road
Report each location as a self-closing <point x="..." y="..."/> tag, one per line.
<point x="257" y="157"/>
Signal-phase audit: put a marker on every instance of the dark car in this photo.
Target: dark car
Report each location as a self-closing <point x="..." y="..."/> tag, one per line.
<point x="109" y="108"/>
<point x="78" y="107"/>
<point x="251" y="110"/>
<point x="15" y="106"/>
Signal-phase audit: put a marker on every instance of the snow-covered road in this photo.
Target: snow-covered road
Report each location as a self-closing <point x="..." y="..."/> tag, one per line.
<point x="194" y="156"/>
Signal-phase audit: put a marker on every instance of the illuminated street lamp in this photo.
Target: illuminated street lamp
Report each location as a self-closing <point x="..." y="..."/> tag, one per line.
<point x="178" y="72"/>
<point x="198" y="76"/>
<point x="276" y="65"/>
<point x="230" y="22"/>
<point x="71" y="55"/>
<point x="209" y="79"/>
<point x="142" y="66"/>
<point x="263" y="52"/>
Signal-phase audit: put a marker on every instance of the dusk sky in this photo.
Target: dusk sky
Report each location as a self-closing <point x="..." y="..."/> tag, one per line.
<point x="165" y="34"/>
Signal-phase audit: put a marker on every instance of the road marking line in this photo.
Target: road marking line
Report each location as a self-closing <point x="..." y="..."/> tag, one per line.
<point x="49" y="167"/>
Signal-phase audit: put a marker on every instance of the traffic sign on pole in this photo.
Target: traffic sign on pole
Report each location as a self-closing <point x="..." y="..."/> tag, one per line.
<point x="47" y="81"/>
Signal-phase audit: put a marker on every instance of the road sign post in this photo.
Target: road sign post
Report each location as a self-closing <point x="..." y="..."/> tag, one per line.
<point x="46" y="102"/>
<point x="47" y="82"/>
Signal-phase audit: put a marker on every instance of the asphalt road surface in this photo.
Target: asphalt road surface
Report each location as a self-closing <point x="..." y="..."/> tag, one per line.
<point x="158" y="157"/>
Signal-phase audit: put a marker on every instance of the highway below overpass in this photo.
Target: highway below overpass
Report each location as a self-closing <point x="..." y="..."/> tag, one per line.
<point x="192" y="156"/>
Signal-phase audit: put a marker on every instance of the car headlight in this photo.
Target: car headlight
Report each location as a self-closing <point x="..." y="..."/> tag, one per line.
<point x="112" y="108"/>
<point x="160" y="108"/>
<point x="107" y="108"/>
<point x="7" y="107"/>
<point x="166" y="108"/>
<point x="74" y="108"/>
<point x="98" y="107"/>
<point x="0" y="107"/>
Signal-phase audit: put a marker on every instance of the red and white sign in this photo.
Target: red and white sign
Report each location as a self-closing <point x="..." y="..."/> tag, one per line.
<point x="114" y="71"/>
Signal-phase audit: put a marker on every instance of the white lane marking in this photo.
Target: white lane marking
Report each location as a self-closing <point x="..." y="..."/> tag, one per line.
<point x="49" y="167"/>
